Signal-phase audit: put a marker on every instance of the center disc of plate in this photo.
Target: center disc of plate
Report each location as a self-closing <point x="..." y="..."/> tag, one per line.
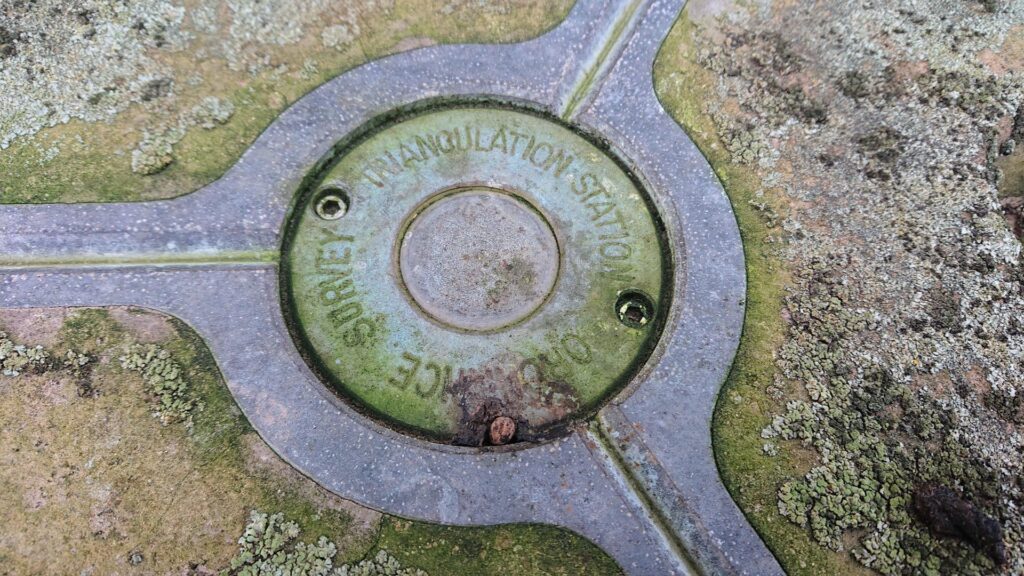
<point x="478" y="259"/>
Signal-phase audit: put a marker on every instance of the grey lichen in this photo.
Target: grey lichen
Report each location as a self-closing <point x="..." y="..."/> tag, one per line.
<point x="270" y="546"/>
<point x="903" y="354"/>
<point x="16" y="358"/>
<point x="340" y="35"/>
<point x="156" y="149"/>
<point x="211" y="112"/>
<point x="82" y="60"/>
<point x="173" y="398"/>
<point x="382" y="564"/>
<point x="94" y="60"/>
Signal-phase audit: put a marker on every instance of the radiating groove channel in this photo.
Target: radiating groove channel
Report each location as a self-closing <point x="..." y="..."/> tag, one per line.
<point x="198" y="259"/>
<point x="628" y="480"/>
<point x="591" y="74"/>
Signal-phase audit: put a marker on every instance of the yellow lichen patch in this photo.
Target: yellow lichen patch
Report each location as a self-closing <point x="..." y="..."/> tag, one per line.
<point x="89" y="481"/>
<point x="110" y="477"/>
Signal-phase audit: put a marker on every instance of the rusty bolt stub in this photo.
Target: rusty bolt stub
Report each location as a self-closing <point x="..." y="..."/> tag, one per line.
<point x="502" y="430"/>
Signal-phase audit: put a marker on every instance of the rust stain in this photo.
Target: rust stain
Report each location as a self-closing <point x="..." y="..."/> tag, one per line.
<point x="536" y="404"/>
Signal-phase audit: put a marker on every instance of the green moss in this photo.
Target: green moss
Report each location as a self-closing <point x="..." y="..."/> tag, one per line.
<point x="744" y="406"/>
<point x="516" y="550"/>
<point x="90" y="330"/>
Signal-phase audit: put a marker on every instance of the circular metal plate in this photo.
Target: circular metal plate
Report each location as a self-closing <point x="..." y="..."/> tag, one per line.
<point x="486" y="263"/>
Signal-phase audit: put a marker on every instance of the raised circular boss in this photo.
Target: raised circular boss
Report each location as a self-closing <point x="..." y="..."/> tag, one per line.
<point x="476" y="275"/>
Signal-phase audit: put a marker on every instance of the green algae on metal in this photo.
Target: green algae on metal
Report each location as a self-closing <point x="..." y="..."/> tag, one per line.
<point x="369" y="336"/>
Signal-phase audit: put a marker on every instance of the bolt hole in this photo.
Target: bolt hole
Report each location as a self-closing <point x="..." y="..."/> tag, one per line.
<point x="332" y="204"/>
<point x="634" y="309"/>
